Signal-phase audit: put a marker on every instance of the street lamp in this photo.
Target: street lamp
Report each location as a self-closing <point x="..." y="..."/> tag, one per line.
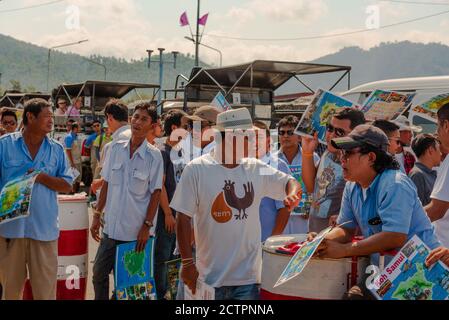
<point x="205" y="45"/>
<point x="98" y="64"/>
<point x="58" y="46"/>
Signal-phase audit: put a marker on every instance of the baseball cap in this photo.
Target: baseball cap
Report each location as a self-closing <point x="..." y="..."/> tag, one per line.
<point x="405" y="125"/>
<point x="234" y="119"/>
<point x="363" y="135"/>
<point x="205" y="113"/>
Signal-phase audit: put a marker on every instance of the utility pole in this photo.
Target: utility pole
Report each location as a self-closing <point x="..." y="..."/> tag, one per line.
<point x="161" y="72"/>
<point x="197" y="42"/>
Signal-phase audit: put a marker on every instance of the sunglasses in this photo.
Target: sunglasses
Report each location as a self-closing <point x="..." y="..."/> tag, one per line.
<point x="9" y="123"/>
<point x="288" y="132"/>
<point x="338" y="132"/>
<point x="347" y="153"/>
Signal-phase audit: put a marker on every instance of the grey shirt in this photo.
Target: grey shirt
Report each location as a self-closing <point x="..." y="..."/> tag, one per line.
<point x="424" y="179"/>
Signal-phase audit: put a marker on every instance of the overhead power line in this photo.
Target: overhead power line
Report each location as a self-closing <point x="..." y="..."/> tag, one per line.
<point x="331" y="35"/>
<point x="32" y="6"/>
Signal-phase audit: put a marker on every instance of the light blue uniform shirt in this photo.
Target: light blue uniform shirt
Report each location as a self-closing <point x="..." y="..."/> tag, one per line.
<point x="296" y="224"/>
<point x="268" y="209"/>
<point x="130" y="185"/>
<point x="15" y="161"/>
<point x="393" y="198"/>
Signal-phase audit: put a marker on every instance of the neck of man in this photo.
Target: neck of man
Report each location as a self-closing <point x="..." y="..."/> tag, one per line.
<point x="368" y="178"/>
<point x="33" y="137"/>
<point x="225" y="161"/>
<point x="426" y="162"/>
<point x="151" y="139"/>
<point x="135" y="143"/>
<point x="290" y="152"/>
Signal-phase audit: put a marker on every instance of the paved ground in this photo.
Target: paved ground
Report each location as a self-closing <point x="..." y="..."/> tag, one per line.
<point x="93" y="245"/>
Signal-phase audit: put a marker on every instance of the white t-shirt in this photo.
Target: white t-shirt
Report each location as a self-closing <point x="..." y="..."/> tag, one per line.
<point x="441" y="192"/>
<point x="228" y="248"/>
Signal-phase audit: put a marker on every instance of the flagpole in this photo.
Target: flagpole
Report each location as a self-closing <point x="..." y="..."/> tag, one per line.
<point x="197" y="44"/>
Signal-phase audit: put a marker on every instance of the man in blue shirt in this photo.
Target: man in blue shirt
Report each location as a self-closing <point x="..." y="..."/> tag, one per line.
<point x="378" y="199"/>
<point x="96" y="127"/>
<point x="73" y="149"/>
<point x="29" y="245"/>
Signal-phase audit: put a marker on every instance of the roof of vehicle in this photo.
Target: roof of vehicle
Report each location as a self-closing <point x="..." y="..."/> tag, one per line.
<point x="102" y="88"/>
<point x="15" y="97"/>
<point x="404" y="84"/>
<point x="266" y="74"/>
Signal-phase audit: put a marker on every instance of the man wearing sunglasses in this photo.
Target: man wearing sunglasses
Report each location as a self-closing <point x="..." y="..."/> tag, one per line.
<point x="325" y="181"/>
<point x="290" y="153"/>
<point x="378" y="199"/>
<point x="8" y="121"/>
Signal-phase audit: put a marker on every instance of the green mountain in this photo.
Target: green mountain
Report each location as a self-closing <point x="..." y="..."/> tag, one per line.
<point x="27" y="63"/>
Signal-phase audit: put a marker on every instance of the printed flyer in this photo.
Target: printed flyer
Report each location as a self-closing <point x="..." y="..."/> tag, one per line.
<point x="385" y="105"/>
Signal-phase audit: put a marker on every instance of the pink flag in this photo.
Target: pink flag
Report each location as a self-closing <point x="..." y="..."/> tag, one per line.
<point x="203" y="19"/>
<point x="183" y="20"/>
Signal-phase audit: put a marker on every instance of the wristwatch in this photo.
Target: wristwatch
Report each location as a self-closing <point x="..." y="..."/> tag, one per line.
<point x="148" y="223"/>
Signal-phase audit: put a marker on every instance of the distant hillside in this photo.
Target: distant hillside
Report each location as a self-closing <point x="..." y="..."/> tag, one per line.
<point x="386" y="61"/>
<point x="27" y="63"/>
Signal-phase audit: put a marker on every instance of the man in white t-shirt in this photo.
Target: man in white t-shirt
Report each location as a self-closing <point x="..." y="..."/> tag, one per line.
<point x="223" y="198"/>
<point x="438" y="208"/>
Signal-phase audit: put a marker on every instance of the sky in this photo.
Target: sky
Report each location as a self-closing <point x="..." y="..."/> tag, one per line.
<point x="127" y="28"/>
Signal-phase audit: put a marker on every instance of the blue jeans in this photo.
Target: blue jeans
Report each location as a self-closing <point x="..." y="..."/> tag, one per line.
<point x="245" y="292"/>
<point x="165" y="244"/>
<point x="103" y="265"/>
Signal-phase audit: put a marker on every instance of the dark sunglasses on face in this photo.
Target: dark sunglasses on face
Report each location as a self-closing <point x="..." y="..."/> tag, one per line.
<point x="338" y="132"/>
<point x="347" y="153"/>
<point x="288" y="132"/>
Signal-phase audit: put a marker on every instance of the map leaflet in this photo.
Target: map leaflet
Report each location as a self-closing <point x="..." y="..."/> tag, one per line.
<point x="386" y="105"/>
<point x="15" y="198"/>
<point x="407" y="278"/>
<point x="303" y="208"/>
<point x="134" y="277"/>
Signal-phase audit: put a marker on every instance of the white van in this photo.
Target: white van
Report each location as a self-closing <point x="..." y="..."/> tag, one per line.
<point x="424" y="87"/>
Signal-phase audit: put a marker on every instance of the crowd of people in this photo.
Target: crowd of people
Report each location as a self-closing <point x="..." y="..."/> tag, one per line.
<point x="211" y="187"/>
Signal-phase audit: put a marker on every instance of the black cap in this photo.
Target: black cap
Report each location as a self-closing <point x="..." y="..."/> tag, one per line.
<point x="363" y="135"/>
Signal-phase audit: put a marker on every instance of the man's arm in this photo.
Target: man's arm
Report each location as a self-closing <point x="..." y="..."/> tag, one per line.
<point x="281" y="221"/>
<point x="144" y="232"/>
<point x="189" y="273"/>
<point x="54" y="183"/>
<point x="418" y="180"/>
<point x="70" y="156"/>
<point x="309" y="170"/>
<point x="436" y="209"/>
<point x="168" y="214"/>
<point x="294" y="193"/>
<point x="379" y="242"/>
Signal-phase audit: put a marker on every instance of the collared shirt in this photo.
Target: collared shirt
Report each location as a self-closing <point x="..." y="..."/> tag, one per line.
<point x="72" y="143"/>
<point x="15" y="161"/>
<point x="424" y="180"/>
<point x="130" y="185"/>
<point x="268" y="209"/>
<point x="122" y="133"/>
<point x="297" y="224"/>
<point x="391" y="197"/>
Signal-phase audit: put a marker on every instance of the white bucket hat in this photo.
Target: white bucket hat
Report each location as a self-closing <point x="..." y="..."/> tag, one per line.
<point x="234" y="119"/>
<point x="405" y="125"/>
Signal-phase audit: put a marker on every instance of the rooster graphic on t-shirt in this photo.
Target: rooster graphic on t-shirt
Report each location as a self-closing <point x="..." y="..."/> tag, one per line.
<point x="228" y="198"/>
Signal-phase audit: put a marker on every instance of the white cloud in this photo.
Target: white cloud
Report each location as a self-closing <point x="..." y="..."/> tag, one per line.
<point x="301" y="11"/>
<point x="240" y="15"/>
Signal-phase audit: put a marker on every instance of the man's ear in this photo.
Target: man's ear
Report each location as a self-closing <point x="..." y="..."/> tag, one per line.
<point x="372" y="157"/>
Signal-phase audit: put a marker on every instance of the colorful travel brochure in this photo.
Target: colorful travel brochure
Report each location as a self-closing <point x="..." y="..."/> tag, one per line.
<point x="318" y="114"/>
<point x="304" y="205"/>
<point x="407" y="278"/>
<point x="386" y="105"/>
<point x="220" y="102"/>
<point x="16" y="197"/>
<point x="173" y="269"/>
<point x="134" y="275"/>
<point x="203" y="292"/>
<point x="301" y="258"/>
<point x="427" y="106"/>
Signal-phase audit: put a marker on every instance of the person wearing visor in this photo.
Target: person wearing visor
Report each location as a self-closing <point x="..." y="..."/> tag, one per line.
<point x="378" y="199"/>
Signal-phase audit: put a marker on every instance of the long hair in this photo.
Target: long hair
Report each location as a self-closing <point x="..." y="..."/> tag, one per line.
<point x="384" y="160"/>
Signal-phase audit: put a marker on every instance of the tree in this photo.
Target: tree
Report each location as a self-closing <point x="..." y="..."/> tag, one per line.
<point x="15" y="85"/>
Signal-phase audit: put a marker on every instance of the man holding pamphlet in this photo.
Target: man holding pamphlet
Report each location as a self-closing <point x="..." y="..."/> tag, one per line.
<point x="29" y="246"/>
<point x="378" y="199"/>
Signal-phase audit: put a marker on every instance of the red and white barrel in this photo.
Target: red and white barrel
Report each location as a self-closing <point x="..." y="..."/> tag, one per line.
<point x="321" y="279"/>
<point x="72" y="249"/>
